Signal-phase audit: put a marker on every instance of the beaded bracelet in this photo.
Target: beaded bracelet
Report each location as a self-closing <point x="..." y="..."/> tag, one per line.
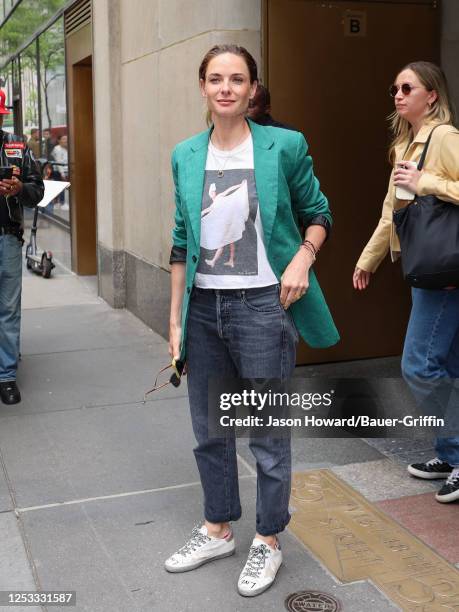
<point x="309" y="249"/>
<point x="312" y="245"/>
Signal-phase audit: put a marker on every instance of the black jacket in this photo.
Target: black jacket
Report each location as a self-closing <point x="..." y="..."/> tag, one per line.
<point x="266" y="119"/>
<point x="14" y="152"/>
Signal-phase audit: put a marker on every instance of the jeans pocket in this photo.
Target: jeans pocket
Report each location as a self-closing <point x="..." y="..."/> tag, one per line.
<point x="262" y="300"/>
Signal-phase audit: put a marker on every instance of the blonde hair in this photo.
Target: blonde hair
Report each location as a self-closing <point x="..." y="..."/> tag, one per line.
<point x="442" y="110"/>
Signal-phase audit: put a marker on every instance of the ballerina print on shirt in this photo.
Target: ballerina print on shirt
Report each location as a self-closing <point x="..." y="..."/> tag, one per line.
<point x="224" y="221"/>
<point x="228" y="235"/>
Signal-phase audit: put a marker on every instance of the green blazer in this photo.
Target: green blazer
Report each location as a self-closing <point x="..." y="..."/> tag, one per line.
<point x="287" y="192"/>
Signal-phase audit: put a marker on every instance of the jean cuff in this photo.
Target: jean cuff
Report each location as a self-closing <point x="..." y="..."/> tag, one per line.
<point x="223" y="518"/>
<point x="268" y="530"/>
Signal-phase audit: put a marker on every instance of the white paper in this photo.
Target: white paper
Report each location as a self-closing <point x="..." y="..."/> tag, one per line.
<point x="52" y="190"/>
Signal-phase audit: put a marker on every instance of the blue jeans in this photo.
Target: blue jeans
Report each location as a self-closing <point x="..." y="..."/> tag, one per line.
<point x="10" y="305"/>
<point x="431" y="356"/>
<point x="239" y="334"/>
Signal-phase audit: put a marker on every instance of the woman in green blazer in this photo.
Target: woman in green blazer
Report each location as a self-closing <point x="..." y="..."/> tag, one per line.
<point x="242" y="290"/>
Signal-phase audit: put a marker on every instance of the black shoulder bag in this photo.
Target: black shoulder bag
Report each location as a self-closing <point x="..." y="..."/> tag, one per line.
<point x="428" y="230"/>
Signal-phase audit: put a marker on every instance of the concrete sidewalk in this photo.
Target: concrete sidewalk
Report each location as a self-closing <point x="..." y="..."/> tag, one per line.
<point x="97" y="488"/>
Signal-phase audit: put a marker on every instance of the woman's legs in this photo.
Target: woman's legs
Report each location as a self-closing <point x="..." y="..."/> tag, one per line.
<point x="448" y="448"/>
<point x="215" y="258"/>
<point x="230" y="261"/>
<point x="431" y="356"/>
<point x="262" y="342"/>
<point x="242" y="333"/>
<point x="261" y="338"/>
<point x="207" y="356"/>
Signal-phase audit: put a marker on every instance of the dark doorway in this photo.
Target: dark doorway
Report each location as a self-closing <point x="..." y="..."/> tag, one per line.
<point x="329" y="66"/>
<point x="83" y="171"/>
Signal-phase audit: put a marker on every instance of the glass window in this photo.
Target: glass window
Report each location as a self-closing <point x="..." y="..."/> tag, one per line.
<point x="52" y="83"/>
<point x="54" y="112"/>
<point x="28" y="17"/>
<point x="36" y="88"/>
<point x="5" y="7"/>
<point x="16" y="91"/>
<point x="30" y="110"/>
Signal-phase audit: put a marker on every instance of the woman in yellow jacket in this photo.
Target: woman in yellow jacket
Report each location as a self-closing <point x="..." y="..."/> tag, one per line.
<point x="431" y="350"/>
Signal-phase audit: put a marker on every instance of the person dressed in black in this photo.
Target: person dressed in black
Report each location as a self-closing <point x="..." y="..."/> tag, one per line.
<point x="260" y="109"/>
<point x="24" y="188"/>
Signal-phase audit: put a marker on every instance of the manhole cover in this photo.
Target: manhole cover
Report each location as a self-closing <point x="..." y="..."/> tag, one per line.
<point x="311" y="601"/>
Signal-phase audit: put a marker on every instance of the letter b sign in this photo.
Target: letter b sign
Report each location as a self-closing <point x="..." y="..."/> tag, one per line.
<point x="354" y="26"/>
<point x="355" y="23"/>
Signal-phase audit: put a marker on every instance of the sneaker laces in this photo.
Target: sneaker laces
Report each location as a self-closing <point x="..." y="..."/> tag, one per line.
<point x="256" y="560"/>
<point x="434" y="461"/>
<point x="196" y="540"/>
<point x="453" y="477"/>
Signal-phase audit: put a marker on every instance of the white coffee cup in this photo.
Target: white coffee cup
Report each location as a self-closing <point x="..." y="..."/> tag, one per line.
<point x="402" y="193"/>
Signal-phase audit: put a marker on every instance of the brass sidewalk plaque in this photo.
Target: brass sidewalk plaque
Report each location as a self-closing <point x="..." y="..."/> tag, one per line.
<point x="356" y="541"/>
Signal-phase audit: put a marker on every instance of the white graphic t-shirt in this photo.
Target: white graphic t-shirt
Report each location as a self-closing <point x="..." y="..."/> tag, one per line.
<point x="233" y="254"/>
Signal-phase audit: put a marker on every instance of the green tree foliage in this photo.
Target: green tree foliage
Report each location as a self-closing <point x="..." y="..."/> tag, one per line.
<point x="24" y="22"/>
<point x="29" y="16"/>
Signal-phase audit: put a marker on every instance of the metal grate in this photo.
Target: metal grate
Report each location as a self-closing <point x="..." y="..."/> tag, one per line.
<point x="78" y="16"/>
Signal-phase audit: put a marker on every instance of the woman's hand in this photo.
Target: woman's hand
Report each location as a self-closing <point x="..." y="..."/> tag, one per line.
<point x="175" y="336"/>
<point x="407" y="177"/>
<point x="295" y="279"/>
<point x="361" y="279"/>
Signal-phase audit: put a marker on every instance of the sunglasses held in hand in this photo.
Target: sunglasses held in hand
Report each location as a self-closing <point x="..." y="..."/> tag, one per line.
<point x="177" y="367"/>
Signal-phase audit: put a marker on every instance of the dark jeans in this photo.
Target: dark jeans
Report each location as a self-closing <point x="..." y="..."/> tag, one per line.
<point x="430" y="362"/>
<point x="243" y="333"/>
<point x="10" y="305"/>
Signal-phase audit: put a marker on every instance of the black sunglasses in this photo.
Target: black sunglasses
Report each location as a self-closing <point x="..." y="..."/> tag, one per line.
<point x="405" y="87"/>
<point x="174" y="380"/>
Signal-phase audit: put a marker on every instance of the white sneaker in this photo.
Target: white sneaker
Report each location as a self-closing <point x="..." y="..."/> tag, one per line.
<point x="199" y="549"/>
<point x="260" y="570"/>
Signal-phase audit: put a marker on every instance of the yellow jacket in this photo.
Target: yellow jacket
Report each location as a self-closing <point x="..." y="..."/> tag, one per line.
<point x="440" y="177"/>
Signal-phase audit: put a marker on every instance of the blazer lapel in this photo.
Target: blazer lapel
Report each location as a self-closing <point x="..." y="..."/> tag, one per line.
<point x="266" y="162"/>
<point x="195" y="172"/>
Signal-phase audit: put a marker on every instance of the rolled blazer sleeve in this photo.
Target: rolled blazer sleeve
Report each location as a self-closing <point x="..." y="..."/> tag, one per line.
<point x="445" y="184"/>
<point x="308" y="201"/>
<point x="179" y="232"/>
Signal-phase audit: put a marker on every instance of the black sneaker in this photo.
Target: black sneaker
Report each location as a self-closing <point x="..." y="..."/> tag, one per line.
<point x="9" y="392"/>
<point x="435" y="468"/>
<point x="450" y="490"/>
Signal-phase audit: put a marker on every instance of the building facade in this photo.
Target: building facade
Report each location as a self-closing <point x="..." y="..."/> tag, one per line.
<point x="123" y="85"/>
